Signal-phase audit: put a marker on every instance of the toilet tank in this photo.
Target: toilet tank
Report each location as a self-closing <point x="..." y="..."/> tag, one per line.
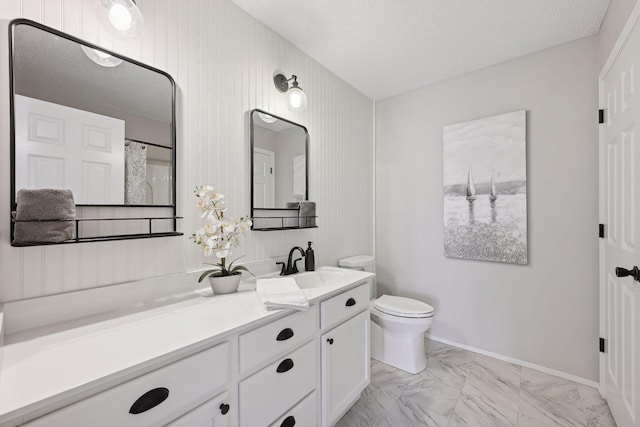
<point x="359" y="262"/>
<point x="363" y="263"/>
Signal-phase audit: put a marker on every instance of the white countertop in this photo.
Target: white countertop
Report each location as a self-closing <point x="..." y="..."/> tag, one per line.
<point x="49" y="366"/>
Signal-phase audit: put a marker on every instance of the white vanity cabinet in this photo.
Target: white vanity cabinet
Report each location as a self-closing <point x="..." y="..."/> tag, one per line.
<point x="345" y="351"/>
<point x="151" y="399"/>
<point x="235" y="365"/>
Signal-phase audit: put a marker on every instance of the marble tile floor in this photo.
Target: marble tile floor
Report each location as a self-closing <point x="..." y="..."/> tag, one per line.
<point x="462" y="388"/>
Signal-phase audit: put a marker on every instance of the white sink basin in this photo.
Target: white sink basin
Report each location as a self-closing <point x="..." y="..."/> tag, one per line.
<point x="324" y="276"/>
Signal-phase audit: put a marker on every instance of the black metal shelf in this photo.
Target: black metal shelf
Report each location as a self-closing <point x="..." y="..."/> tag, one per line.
<point x="282" y="219"/>
<point x="283" y="228"/>
<point x="106" y="238"/>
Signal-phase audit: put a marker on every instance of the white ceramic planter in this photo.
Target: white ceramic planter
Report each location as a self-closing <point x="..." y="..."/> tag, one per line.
<point x="224" y="284"/>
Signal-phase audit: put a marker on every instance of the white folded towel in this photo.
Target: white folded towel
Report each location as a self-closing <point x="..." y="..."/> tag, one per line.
<point x="281" y="292"/>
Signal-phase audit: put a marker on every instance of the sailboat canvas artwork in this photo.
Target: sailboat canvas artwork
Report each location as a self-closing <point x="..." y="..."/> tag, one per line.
<point x="485" y="189"/>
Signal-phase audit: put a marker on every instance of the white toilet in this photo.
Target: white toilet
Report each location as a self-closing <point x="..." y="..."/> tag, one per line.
<point x="398" y="324"/>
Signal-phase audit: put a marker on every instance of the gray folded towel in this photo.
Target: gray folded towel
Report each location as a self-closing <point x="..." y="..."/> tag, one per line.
<point x="307" y="214"/>
<point x="35" y="211"/>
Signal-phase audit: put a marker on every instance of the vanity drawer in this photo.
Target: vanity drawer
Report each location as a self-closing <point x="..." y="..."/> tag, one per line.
<point x="267" y="394"/>
<point x="262" y="344"/>
<point x="215" y="412"/>
<point x="304" y="413"/>
<point x="343" y="306"/>
<point x="181" y="384"/>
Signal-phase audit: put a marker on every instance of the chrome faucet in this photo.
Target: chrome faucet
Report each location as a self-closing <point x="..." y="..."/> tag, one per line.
<point x="291" y="267"/>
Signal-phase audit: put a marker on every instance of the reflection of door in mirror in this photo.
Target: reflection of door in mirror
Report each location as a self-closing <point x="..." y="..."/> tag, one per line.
<point x="263" y="178"/>
<point x="283" y="182"/>
<point x="68" y="148"/>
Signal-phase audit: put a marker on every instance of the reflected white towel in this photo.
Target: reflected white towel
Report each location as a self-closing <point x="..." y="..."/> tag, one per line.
<point x="281" y="292"/>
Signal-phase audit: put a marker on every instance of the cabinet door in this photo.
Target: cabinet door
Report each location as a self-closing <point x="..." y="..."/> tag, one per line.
<point x="213" y="413"/>
<point x="345" y="366"/>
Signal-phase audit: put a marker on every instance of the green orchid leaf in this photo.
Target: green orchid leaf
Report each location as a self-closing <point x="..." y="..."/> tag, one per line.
<point x="241" y="268"/>
<point x="207" y="273"/>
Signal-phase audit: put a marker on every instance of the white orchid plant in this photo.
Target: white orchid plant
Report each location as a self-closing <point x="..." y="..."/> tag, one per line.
<point x="218" y="236"/>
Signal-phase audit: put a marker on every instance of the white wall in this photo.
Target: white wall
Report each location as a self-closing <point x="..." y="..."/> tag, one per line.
<point x="223" y="61"/>
<point x="617" y="15"/>
<point x="546" y="312"/>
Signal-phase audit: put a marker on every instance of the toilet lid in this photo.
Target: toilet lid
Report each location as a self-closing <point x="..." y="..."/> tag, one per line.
<point x="403" y="307"/>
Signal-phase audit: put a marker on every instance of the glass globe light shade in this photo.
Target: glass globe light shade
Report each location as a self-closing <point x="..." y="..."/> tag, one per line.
<point x="267" y="118"/>
<point x="100" y="57"/>
<point x="297" y="98"/>
<point x="121" y="17"/>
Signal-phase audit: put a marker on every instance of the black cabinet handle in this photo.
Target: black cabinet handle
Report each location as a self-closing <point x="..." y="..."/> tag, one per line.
<point x="285" y="334"/>
<point x="149" y="400"/>
<point x="288" y="422"/>
<point x="285" y="365"/>
<point x="330" y="341"/>
<point x="224" y="408"/>
<point x="350" y="302"/>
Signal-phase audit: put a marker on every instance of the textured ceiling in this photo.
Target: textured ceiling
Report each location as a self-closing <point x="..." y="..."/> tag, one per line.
<point x="387" y="47"/>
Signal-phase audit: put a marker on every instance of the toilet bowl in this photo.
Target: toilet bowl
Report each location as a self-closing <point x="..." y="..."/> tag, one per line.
<point x="397" y="325"/>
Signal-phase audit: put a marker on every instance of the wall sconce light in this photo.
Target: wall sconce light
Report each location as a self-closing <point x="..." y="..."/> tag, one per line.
<point x="121" y="17"/>
<point x="297" y="98"/>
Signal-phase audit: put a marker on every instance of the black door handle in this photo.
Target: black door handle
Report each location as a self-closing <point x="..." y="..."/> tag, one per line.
<point x="149" y="400"/>
<point x="288" y="422"/>
<point x="224" y="408"/>
<point x="350" y="302"/>
<point x="634" y="272"/>
<point x="330" y="341"/>
<point x="285" y="334"/>
<point x="284" y="366"/>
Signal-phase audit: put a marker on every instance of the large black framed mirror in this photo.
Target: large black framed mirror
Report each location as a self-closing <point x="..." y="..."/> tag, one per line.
<point x="279" y="170"/>
<point x="90" y="120"/>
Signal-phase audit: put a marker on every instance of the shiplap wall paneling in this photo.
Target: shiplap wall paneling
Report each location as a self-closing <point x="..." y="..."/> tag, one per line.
<point x="223" y="62"/>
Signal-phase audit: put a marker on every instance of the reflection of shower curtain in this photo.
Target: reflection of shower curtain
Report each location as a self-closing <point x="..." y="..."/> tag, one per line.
<point x="299" y="177"/>
<point x="135" y="172"/>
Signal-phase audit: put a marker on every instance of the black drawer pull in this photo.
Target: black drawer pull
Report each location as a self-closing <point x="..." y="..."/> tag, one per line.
<point x="350" y="302"/>
<point x="149" y="400"/>
<point x="224" y="408"/>
<point x="285" y="365"/>
<point x="285" y="334"/>
<point x="288" y="422"/>
<point x="330" y="341"/>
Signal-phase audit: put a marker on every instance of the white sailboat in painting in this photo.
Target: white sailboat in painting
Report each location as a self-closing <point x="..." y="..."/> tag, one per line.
<point x="493" y="196"/>
<point x="471" y="187"/>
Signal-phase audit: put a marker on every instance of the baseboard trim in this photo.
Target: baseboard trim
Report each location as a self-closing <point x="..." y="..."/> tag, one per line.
<point x="519" y="362"/>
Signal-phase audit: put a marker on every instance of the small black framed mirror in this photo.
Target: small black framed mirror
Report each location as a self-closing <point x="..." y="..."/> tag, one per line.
<point x="279" y="171"/>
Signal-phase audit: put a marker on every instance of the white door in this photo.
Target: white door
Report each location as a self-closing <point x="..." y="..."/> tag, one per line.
<point x="263" y="178"/>
<point x="619" y="209"/>
<point x="63" y="147"/>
